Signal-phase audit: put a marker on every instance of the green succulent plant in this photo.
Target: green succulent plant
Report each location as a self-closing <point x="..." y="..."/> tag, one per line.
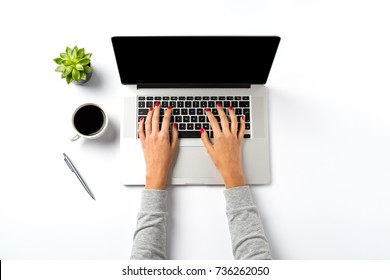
<point x="74" y="64"/>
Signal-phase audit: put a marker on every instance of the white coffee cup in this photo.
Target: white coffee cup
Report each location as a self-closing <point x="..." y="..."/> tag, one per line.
<point x="89" y="121"/>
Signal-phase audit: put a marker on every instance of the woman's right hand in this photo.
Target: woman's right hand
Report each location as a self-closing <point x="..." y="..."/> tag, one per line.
<point x="226" y="150"/>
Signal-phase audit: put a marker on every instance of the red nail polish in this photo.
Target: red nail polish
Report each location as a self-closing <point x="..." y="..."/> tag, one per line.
<point x="230" y="108"/>
<point x="201" y="130"/>
<point x="219" y="104"/>
<point x="175" y="125"/>
<point x="207" y="110"/>
<point x="157" y="104"/>
<point x="169" y="107"/>
<point x="151" y="109"/>
<point x="243" y="118"/>
<point x="141" y="119"/>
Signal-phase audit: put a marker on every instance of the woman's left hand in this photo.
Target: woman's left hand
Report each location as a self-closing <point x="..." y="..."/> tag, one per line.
<point x="159" y="146"/>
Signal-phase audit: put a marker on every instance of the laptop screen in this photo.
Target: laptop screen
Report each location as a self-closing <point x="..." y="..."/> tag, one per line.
<point x="195" y="60"/>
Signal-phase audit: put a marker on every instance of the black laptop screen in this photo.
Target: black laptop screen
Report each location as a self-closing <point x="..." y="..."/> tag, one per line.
<point x="195" y="60"/>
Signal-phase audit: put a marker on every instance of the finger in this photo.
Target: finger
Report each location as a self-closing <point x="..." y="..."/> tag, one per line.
<point x="141" y="129"/>
<point x="206" y="142"/>
<point x="148" y="122"/>
<point x="242" y="128"/>
<point x="174" y="136"/>
<point x="213" y="122"/>
<point x="233" y="121"/>
<point x="166" y="119"/>
<point x="224" y="120"/>
<point x="156" y="118"/>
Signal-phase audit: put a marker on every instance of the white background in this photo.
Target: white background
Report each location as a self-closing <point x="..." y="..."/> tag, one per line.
<point x="329" y="130"/>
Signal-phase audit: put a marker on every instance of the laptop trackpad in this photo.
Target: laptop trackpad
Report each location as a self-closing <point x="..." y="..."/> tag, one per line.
<point x="193" y="162"/>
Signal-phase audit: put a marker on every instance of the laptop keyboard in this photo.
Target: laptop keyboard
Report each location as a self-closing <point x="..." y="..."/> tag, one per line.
<point x="188" y="112"/>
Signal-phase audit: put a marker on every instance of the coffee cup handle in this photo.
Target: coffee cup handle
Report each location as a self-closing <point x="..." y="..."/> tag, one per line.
<point x="74" y="138"/>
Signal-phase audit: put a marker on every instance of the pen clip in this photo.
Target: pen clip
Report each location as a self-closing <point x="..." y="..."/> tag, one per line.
<point x="67" y="162"/>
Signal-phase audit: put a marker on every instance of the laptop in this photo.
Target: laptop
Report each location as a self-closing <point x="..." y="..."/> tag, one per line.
<point x="190" y="74"/>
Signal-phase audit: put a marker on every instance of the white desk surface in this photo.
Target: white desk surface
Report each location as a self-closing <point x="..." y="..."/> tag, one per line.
<point x="329" y="126"/>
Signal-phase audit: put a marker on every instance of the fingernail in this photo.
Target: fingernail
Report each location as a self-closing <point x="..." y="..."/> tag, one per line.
<point x="141" y="119"/>
<point x="207" y="110"/>
<point x="169" y="107"/>
<point x="230" y="108"/>
<point x="151" y="109"/>
<point x="175" y="125"/>
<point x="243" y="118"/>
<point x="157" y="104"/>
<point x="201" y="130"/>
<point x="219" y="104"/>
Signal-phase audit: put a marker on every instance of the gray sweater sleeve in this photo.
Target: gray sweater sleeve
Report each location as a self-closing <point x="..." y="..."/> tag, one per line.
<point x="149" y="242"/>
<point x="246" y="230"/>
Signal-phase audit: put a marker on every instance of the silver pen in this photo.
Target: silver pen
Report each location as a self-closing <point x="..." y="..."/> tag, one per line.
<point x="74" y="170"/>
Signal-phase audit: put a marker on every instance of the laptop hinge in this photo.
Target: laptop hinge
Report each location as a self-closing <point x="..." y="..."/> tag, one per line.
<point x="197" y="85"/>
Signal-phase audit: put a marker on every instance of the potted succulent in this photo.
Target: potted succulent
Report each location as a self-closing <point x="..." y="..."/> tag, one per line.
<point x="75" y="65"/>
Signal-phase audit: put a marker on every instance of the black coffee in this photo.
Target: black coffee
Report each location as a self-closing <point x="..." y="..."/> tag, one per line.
<point x="89" y="120"/>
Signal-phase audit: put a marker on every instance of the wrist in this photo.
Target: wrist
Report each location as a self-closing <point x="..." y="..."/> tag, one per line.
<point x="155" y="182"/>
<point x="234" y="179"/>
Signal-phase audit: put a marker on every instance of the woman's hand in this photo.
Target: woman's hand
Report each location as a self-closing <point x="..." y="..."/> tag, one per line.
<point x="226" y="150"/>
<point x="158" y="145"/>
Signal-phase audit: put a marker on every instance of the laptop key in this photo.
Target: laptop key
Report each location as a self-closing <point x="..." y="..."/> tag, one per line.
<point x="245" y="98"/>
<point x="203" y="104"/>
<point x="199" y="111"/>
<point x="211" y="104"/>
<point x="189" y="134"/>
<point x="182" y="126"/>
<point x="149" y="98"/>
<point x="244" y="103"/>
<point x="247" y="115"/>
<point x="143" y="112"/>
<point x="194" y="119"/>
<point x="186" y="118"/>
<point x="198" y="98"/>
<point x="178" y="119"/>
<point x="198" y="126"/>
<point x="176" y="112"/>
<point x="192" y="111"/>
<point x="141" y="97"/>
<point x="141" y="104"/>
<point x="190" y="126"/>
